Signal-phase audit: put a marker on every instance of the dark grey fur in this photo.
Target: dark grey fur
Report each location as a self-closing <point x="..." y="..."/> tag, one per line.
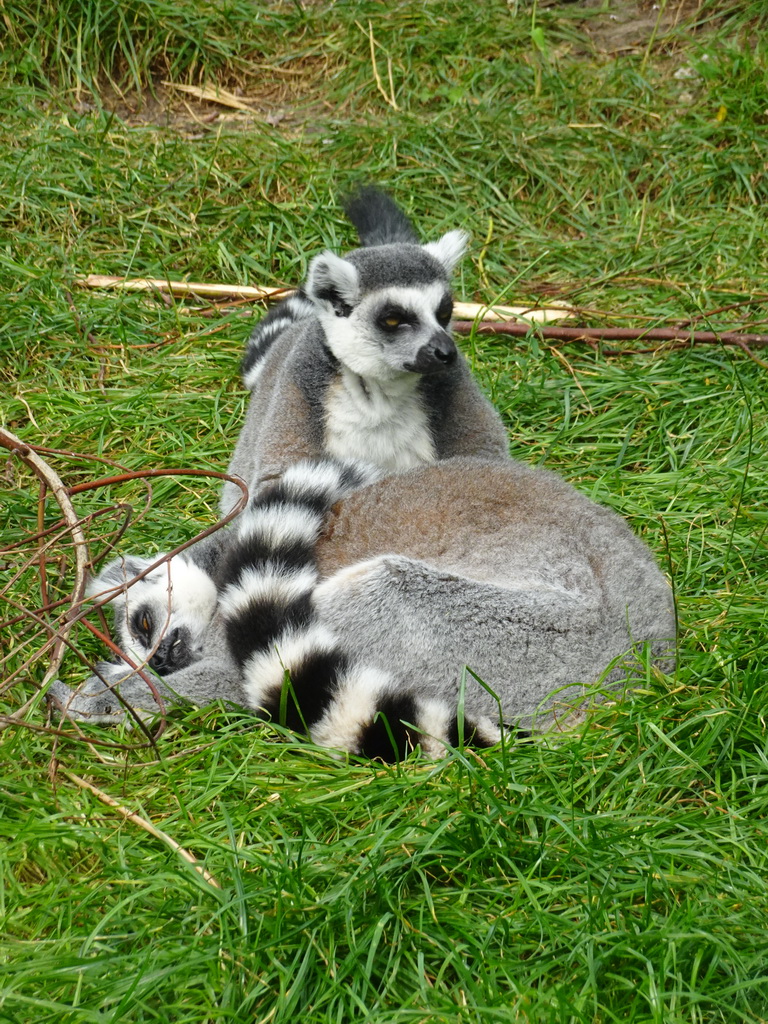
<point x="377" y="220"/>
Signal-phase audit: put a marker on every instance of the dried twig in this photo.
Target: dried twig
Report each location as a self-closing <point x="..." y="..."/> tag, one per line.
<point x="461" y="310"/>
<point x="53" y="481"/>
<point x="484" y="318"/>
<point x="58" y="632"/>
<point x="183" y="288"/>
<point x="477" y="311"/>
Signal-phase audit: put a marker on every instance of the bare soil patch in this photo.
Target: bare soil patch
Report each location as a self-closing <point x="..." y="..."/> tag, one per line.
<point x="290" y="94"/>
<point x="624" y="26"/>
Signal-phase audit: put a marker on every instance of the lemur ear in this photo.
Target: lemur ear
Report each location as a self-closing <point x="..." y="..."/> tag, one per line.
<point x="449" y="249"/>
<point x="118" y="571"/>
<point x="331" y="280"/>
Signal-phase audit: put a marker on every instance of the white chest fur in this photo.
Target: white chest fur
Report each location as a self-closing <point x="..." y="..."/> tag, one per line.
<point x="381" y="423"/>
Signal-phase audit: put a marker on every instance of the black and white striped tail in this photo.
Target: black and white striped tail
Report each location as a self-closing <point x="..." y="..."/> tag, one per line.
<point x="295" y="669"/>
<point x="270" y="576"/>
<point x="284" y="315"/>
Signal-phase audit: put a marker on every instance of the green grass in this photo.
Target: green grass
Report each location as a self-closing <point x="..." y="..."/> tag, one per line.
<point x="617" y="874"/>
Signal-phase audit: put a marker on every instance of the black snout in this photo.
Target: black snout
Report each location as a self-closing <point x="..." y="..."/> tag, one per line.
<point x="173" y="652"/>
<point x="438" y="354"/>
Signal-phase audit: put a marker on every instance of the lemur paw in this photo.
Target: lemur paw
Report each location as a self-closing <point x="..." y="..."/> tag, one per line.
<point x="97" y="700"/>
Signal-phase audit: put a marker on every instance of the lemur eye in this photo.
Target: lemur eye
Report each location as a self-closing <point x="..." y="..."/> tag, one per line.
<point x="141" y="623"/>
<point x="444" y="312"/>
<point x="392" y="321"/>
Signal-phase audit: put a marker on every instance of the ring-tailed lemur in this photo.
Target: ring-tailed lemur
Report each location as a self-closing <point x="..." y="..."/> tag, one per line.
<point x="374" y="612"/>
<point x="360" y="363"/>
<point x="160" y="620"/>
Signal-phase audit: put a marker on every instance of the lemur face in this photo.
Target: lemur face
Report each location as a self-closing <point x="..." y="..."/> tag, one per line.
<point x="162" y="619"/>
<point x="386" y="310"/>
<point x="395" y="331"/>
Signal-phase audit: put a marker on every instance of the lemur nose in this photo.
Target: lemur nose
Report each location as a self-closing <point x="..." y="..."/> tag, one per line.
<point x="166" y="655"/>
<point x="435" y="356"/>
<point x="443" y="348"/>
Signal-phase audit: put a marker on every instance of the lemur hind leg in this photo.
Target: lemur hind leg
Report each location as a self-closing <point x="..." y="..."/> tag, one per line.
<point x="525" y="642"/>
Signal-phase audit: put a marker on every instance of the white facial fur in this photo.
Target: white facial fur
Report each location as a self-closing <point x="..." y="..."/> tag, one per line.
<point x="360" y="345"/>
<point x="330" y="272"/>
<point x="355" y="337"/>
<point x="176" y="594"/>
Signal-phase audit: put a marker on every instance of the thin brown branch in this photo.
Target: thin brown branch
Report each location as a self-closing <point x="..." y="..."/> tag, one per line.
<point x="58" y="636"/>
<point x="593" y="334"/>
<point x="709" y="313"/>
<point x="41" y="559"/>
<point x="468" y="314"/>
<point x="143" y="474"/>
<point x="73" y="613"/>
<point x="53" y="481"/>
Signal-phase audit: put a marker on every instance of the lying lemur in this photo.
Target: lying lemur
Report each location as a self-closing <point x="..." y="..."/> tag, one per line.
<point x="346" y="601"/>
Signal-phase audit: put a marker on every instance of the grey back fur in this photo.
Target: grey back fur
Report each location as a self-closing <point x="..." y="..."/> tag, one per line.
<point x="287" y="416"/>
<point x="497" y="566"/>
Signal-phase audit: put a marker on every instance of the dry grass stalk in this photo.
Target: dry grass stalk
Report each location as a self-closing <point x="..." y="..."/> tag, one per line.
<point x="153" y="830"/>
<point x="212" y="95"/>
